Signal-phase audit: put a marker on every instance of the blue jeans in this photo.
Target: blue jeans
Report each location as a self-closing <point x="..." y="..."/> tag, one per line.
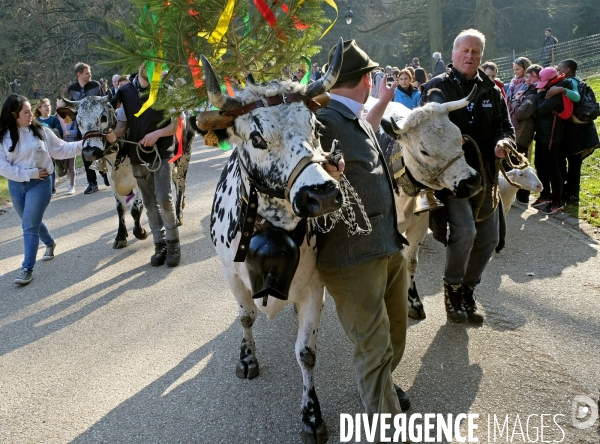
<point x="30" y="200"/>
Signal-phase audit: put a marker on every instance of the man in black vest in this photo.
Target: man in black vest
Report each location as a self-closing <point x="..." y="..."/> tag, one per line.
<point x="366" y="274"/>
<point x="86" y="87"/>
<point x="150" y="163"/>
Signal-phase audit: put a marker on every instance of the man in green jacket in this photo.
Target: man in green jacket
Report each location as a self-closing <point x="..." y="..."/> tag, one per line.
<point x="366" y="274"/>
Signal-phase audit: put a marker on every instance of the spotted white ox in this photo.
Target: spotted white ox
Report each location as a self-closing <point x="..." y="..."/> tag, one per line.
<point x="271" y="141"/>
<point x="95" y="115"/>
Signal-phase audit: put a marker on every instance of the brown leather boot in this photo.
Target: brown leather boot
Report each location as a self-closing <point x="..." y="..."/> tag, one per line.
<point x="468" y="300"/>
<point x="453" y="301"/>
<point x="173" y="253"/>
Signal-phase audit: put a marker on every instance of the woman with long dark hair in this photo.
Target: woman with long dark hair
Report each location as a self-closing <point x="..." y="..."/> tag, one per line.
<point x="26" y="148"/>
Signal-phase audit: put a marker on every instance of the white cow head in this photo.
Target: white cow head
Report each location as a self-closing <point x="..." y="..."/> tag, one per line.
<point x="272" y="141"/>
<point x="432" y="146"/>
<point x="526" y="178"/>
<point x="94" y="116"/>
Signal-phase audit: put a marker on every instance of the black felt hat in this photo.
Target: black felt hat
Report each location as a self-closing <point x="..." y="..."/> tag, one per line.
<point x="356" y="62"/>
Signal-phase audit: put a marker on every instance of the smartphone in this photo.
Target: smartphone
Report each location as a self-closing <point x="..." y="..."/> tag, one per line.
<point x="390" y="79"/>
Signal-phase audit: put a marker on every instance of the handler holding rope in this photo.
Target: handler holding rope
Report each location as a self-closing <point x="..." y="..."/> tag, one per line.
<point x="150" y="146"/>
<point x="474" y="222"/>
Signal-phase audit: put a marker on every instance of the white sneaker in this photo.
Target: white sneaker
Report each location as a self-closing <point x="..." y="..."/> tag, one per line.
<point x="71" y="190"/>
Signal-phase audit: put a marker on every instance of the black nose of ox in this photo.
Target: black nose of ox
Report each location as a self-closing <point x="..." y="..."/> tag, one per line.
<point x="468" y="187"/>
<point x="316" y="200"/>
<point x="91" y="153"/>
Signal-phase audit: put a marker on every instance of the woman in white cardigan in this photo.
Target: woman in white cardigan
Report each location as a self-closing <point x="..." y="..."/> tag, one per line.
<point x="26" y="149"/>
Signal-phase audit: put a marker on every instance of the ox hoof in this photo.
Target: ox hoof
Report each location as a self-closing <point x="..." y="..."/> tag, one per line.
<point x="311" y="436"/>
<point x="417" y="314"/>
<point x="140" y="234"/>
<point x="118" y="244"/>
<point x="243" y="370"/>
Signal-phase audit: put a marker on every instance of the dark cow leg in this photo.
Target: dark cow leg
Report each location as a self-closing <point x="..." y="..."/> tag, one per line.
<point x="415" y="306"/>
<point x="247" y="366"/>
<point x="314" y="429"/>
<point x="121" y="239"/>
<point x="136" y="212"/>
<point x="180" y="176"/>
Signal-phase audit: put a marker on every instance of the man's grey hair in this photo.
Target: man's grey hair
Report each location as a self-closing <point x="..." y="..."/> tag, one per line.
<point x="437" y="55"/>
<point x="470" y="33"/>
<point x="116" y="77"/>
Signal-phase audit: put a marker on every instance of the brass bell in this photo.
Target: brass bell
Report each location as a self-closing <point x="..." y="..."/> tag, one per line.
<point x="425" y="200"/>
<point x="99" y="165"/>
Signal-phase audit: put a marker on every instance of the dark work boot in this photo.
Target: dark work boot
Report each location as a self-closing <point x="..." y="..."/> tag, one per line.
<point x="173" y="253"/>
<point x="453" y="301"/>
<point x="403" y="398"/>
<point x="160" y="253"/>
<point x="474" y="315"/>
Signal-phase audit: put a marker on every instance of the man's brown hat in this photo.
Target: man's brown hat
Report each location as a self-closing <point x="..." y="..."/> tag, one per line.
<point x="356" y="62"/>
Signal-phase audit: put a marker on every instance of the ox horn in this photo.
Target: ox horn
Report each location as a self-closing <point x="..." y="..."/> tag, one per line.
<point x="458" y="104"/>
<point x="107" y="98"/>
<point x="72" y="103"/>
<point x="326" y="82"/>
<point x="399" y="129"/>
<point x="217" y="98"/>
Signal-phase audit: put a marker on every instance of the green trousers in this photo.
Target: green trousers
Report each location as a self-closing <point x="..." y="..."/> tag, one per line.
<point x="371" y="303"/>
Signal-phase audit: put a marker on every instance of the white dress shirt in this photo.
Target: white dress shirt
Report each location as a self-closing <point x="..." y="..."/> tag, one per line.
<point x="353" y="105"/>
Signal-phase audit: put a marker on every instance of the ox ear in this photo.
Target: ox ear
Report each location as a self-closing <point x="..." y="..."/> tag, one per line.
<point x="326" y="82"/>
<point x="213" y="89"/>
<point x="392" y="129"/>
<point x="458" y="104"/>
<point x="71" y="103"/>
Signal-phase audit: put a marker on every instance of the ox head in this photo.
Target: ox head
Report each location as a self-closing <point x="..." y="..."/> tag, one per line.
<point x="95" y="115"/>
<point x="278" y="145"/>
<point x="526" y="178"/>
<point x="432" y="147"/>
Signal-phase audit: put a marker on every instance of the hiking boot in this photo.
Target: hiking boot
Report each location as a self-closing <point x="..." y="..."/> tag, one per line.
<point x="541" y="202"/>
<point x="474" y="315"/>
<point x="24" y="277"/>
<point x="173" y="253"/>
<point x="160" y="254"/>
<point x="92" y="188"/>
<point x="552" y="208"/>
<point x="453" y="301"/>
<point x="403" y="398"/>
<point x="49" y="254"/>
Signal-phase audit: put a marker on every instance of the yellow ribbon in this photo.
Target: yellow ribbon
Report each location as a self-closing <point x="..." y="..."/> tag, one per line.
<point x="334" y="6"/>
<point x="217" y="35"/>
<point x="154" y="85"/>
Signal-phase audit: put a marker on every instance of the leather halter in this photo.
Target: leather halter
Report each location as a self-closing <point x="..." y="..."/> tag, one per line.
<point x="274" y="101"/>
<point x="249" y="200"/>
<point x="92" y="134"/>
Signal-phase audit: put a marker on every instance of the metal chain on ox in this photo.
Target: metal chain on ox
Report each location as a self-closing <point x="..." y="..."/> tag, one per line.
<point x="346" y="213"/>
<point x="509" y="151"/>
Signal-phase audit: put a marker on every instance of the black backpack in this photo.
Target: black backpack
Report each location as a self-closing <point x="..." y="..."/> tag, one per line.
<point x="587" y="109"/>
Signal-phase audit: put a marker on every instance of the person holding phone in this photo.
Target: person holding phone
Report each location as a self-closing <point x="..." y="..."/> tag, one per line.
<point x="26" y="151"/>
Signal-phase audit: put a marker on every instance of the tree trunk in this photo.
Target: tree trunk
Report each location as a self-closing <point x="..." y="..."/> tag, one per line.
<point x="436" y="40"/>
<point x="484" y="22"/>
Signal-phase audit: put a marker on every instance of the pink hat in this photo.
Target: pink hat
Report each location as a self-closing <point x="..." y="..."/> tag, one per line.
<point x="546" y="75"/>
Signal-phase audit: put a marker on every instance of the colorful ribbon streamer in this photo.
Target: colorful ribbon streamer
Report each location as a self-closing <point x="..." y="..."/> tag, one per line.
<point x="179" y="138"/>
<point x="195" y="69"/>
<point x="334" y="6"/>
<point x="306" y="77"/>
<point x="266" y="12"/>
<point x="217" y="35"/>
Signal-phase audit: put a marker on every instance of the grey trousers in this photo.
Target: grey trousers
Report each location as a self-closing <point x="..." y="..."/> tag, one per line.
<point x="470" y="244"/>
<point x="158" y="200"/>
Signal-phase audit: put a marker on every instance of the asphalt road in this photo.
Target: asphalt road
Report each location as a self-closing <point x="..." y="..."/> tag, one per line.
<point x="102" y="347"/>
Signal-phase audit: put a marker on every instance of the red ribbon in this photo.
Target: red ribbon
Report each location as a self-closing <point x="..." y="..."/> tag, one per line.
<point x="266" y="12"/>
<point x="179" y="138"/>
<point x="196" y="72"/>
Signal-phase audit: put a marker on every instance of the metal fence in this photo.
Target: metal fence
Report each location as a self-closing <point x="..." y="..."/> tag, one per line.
<point x="585" y="51"/>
